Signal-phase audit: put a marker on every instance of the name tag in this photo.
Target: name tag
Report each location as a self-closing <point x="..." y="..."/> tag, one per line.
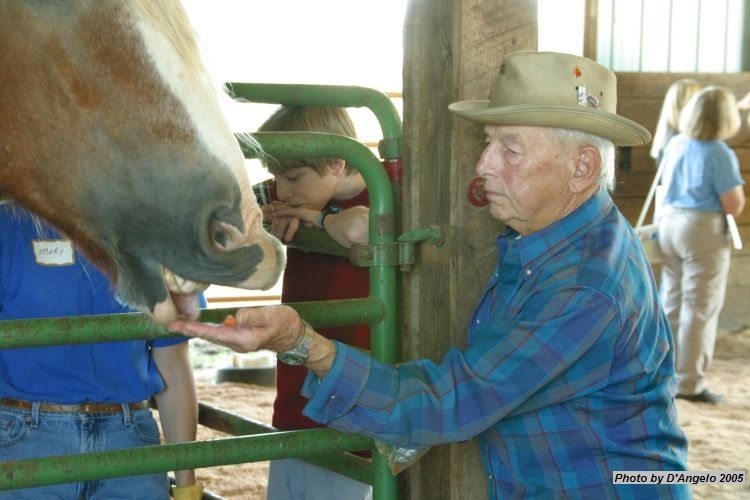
<point x="54" y="252"/>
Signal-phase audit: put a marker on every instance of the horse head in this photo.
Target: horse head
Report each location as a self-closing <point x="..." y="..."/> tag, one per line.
<point x="112" y="131"/>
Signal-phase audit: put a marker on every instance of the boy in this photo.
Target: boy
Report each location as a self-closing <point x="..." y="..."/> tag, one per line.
<point x="330" y="195"/>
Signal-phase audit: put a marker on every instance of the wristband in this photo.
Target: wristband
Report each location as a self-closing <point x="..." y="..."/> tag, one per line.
<point x="325" y="213"/>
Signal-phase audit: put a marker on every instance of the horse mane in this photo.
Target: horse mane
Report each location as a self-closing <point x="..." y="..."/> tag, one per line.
<point x="170" y="18"/>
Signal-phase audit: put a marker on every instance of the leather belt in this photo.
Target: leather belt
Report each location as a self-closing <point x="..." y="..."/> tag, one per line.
<point x="79" y="408"/>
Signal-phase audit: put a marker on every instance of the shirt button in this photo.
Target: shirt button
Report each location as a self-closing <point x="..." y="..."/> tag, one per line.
<point x="528" y="272"/>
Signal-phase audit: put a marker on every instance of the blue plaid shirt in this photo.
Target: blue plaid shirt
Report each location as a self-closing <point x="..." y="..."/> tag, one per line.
<point x="567" y="377"/>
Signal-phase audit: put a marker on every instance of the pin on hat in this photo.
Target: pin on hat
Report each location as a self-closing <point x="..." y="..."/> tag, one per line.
<point x="551" y="89"/>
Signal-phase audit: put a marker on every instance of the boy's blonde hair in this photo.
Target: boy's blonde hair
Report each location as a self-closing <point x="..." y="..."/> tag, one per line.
<point x="327" y="119"/>
<point x="711" y="115"/>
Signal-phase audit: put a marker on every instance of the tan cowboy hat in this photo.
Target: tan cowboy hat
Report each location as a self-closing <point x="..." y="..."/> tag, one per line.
<point x="550" y="89"/>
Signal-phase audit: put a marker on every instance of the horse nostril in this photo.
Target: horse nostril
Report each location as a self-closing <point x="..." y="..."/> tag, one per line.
<point x="221" y="237"/>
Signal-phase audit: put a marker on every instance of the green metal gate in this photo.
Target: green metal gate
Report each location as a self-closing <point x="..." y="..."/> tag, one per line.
<point x="255" y="441"/>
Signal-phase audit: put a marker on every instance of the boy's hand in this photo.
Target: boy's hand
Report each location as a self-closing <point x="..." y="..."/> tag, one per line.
<point x="284" y="219"/>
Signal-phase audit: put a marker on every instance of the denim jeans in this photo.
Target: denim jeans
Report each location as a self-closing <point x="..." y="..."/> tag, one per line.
<point x="30" y="433"/>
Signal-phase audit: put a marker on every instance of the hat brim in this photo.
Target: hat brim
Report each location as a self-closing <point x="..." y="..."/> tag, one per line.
<point x="620" y="130"/>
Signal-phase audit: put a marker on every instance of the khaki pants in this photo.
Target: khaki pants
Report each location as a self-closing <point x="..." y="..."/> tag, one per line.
<point x="693" y="285"/>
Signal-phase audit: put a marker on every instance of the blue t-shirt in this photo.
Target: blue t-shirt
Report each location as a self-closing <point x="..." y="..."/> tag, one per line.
<point x="568" y="374"/>
<point x="697" y="173"/>
<point x="41" y="275"/>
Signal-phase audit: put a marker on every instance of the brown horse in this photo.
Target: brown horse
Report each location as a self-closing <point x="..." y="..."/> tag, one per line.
<point x="111" y="130"/>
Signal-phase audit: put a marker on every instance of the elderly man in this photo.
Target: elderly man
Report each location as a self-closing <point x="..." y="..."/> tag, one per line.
<point x="568" y="375"/>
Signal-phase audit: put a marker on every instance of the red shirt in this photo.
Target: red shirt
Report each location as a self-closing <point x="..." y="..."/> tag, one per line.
<point x="311" y="276"/>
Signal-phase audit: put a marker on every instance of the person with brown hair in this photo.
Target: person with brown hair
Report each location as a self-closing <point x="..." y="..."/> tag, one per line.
<point x="330" y="195"/>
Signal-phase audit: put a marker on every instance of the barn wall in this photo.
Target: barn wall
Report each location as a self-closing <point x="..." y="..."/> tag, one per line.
<point x="640" y="96"/>
<point x="452" y="51"/>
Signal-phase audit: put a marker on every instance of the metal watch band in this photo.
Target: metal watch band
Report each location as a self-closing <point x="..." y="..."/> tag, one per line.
<point x="298" y="355"/>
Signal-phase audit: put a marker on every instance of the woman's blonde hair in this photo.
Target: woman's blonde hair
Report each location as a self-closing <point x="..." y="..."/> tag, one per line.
<point x="326" y="119"/>
<point x="711" y="115"/>
<point x="678" y="94"/>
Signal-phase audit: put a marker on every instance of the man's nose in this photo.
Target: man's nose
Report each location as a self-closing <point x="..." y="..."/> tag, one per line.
<point x="483" y="163"/>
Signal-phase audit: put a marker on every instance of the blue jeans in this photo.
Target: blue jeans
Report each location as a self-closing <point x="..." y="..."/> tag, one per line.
<point x="30" y="433"/>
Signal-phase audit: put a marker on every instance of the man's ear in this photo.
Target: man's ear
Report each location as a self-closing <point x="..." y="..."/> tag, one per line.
<point x="586" y="169"/>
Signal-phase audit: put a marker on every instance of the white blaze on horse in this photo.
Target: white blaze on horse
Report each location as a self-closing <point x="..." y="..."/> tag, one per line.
<point x="111" y="129"/>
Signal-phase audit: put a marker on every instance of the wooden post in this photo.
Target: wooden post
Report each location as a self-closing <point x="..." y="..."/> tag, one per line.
<point x="590" y="28"/>
<point x="452" y="51"/>
<point x="745" y="48"/>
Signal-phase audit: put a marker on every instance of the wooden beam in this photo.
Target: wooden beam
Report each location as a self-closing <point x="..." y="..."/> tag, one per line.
<point x="745" y="47"/>
<point x="590" y="29"/>
<point x="452" y="51"/>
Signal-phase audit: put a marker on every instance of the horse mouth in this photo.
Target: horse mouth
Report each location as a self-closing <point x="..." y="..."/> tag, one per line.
<point x="183" y="300"/>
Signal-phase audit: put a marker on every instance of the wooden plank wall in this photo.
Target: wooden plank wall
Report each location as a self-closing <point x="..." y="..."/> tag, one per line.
<point x="640" y="97"/>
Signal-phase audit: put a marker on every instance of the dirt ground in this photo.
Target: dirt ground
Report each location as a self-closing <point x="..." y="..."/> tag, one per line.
<point x="241" y="481"/>
<point x="719" y="435"/>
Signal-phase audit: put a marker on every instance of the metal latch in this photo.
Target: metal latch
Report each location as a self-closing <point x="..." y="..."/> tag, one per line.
<point x="400" y="253"/>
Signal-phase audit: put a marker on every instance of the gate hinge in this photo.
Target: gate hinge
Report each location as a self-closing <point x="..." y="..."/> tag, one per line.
<point x="400" y="253"/>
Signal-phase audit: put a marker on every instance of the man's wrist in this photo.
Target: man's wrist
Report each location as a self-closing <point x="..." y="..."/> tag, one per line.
<point x="322" y="355"/>
<point x="297" y="353"/>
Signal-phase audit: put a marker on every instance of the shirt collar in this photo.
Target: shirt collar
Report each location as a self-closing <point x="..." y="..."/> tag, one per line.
<point x="538" y="247"/>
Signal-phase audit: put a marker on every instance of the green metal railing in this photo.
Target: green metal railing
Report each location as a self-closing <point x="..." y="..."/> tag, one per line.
<point x="390" y="147"/>
<point x="257" y="441"/>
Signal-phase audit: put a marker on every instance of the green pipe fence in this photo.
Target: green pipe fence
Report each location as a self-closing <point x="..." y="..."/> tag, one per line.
<point x="161" y="458"/>
<point x="256" y="441"/>
<point x="131" y="326"/>
<point x="237" y="425"/>
<point x="390" y="146"/>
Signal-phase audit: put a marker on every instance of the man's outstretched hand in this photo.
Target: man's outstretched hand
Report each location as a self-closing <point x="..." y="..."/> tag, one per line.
<point x="276" y="328"/>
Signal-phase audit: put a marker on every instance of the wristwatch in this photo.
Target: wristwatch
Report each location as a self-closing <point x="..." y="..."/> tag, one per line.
<point x="330" y="209"/>
<point x="298" y="355"/>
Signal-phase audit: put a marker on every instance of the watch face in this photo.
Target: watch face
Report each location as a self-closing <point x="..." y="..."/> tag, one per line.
<point x="298" y="355"/>
<point x="290" y="358"/>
